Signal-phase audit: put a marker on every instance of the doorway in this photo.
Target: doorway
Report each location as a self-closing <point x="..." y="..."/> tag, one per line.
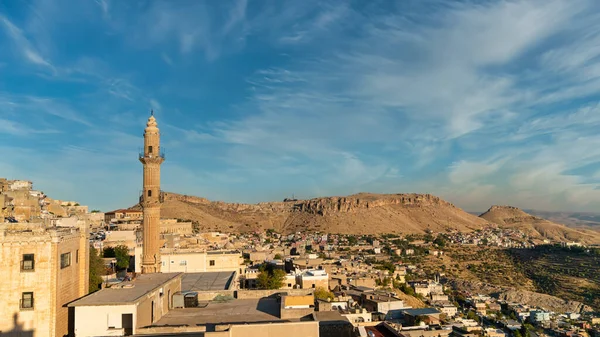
<point x="127" y="324"/>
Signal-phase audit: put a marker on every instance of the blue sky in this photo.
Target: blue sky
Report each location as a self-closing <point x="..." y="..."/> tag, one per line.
<point x="479" y="102"/>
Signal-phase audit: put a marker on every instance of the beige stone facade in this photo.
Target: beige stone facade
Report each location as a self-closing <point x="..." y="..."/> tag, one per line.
<point x="193" y="262"/>
<point x="42" y="270"/>
<point x="173" y="226"/>
<point x="151" y="158"/>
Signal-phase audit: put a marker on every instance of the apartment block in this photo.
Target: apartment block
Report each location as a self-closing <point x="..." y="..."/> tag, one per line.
<point x="43" y="269"/>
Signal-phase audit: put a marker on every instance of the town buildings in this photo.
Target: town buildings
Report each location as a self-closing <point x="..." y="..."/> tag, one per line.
<point x="43" y="269"/>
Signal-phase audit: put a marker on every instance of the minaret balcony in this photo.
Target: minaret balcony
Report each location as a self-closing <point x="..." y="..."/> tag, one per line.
<point x="142" y="155"/>
<point x="160" y="199"/>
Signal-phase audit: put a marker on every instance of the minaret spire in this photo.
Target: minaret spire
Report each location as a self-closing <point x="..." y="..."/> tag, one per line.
<point x="152" y="157"/>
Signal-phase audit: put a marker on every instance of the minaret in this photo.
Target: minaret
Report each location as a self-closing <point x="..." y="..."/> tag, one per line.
<point x="150" y="200"/>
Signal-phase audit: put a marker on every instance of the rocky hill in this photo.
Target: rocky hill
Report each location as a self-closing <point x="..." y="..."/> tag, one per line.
<point x="513" y="217"/>
<point x="509" y="294"/>
<point x="361" y="213"/>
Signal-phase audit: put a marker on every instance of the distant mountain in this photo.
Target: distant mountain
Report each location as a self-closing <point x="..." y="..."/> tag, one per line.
<point x="513" y="217"/>
<point x="583" y="220"/>
<point x="362" y="213"/>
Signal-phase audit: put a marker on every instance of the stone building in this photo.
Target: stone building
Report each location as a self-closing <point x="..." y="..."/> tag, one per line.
<point x="123" y="216"/>
<point x="176" y="260"/>
<point x="43" y="269"/>
<point x="313" y="278"/>
<point x="151" y="158"/>
<point x="174" y="226"/>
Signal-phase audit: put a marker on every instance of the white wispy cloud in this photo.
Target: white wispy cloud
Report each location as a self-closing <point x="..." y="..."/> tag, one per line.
<point x="24" y="46"/>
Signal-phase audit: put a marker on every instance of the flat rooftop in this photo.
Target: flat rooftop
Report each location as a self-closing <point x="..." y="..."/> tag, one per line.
<point x="235" y="311"/>
<point x="206" y="281"/>
<point x="118" y="294"/>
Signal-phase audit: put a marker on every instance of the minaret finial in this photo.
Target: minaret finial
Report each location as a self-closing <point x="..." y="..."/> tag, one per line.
<point x="151" y="112"/>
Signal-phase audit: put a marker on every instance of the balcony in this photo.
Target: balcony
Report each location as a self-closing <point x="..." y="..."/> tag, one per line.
<point x="161" y="197"/>
<point x="161" y="154"/>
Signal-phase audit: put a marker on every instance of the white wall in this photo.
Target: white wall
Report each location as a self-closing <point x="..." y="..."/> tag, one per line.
<point x="195" y="262"/>
<point x="93" y="320"/>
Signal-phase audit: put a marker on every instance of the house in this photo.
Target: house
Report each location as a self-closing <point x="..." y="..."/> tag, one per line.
<point x="126" y="307"/>
<point x="386" y="304"/>
<point x="427" y="315"/>
<point x="539" y="316"/>
<point x="313" y="278"/>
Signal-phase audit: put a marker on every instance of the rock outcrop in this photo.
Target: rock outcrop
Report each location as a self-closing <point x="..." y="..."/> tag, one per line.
<point x="362" y="213"/>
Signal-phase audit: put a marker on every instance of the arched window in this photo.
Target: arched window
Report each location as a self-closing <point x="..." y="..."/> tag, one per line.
<point x="149" y="149"/>
<point x="149" y="193"/>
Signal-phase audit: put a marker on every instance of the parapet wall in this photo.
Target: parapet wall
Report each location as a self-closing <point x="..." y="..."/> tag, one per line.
<point x="247" y="294"/>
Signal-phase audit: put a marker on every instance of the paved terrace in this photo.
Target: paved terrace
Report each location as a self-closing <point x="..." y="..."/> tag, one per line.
<point x="209" y="281"/>
<point x="235" y="311"/>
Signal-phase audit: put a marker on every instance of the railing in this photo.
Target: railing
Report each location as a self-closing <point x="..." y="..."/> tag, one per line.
<point x="27" y="266"/>
<point x="161" y="196"/>
<point x="161" y="154"/>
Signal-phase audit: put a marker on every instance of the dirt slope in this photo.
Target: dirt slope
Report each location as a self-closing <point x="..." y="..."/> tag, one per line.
<point x="513" y="217"/>
<point x="361" y="213"/>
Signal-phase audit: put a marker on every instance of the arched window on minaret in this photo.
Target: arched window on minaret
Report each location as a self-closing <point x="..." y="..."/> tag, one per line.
<point x="150" y="149"/>
<point x="149" y="193"/>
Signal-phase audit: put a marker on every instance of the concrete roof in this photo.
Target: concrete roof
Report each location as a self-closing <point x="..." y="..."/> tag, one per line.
<point x="421" y="311"/>
<point x="235" y="311"/>
<point x="206" y="281"/>
<point x="323" y="316"/>
<point x="299" y="300"/>
<point x="142" y="285"/>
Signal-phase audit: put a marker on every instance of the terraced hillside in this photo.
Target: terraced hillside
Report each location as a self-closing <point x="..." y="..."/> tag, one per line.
<point x="572" y="273"/>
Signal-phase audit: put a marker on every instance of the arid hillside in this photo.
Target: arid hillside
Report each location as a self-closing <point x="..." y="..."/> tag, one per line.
<point x="513" y="217"/>
<point x="357" y="214"/>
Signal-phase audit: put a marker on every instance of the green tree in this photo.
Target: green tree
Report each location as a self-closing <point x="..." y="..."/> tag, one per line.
<point x="440" y="241"/>
<point x="270" y="278"/>
<point x="277" y="257"/>
<point x="517" y="333"/>
<point x="352" y="240"/>
<point x="120" y="253"/>
<point x="96" y="270"/>
<point x="323" y="294"/>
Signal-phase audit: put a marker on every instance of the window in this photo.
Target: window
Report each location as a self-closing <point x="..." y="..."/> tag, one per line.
<point x="149" y="149"/>
<point x="28" y="263"/>
<point x="212" y="262"/>
<point x="183" y="263"/>
<point x="313" y="285"/>
<point x="27" y="300"/>
<point x="164" y="263"/>
<point x="77" y="256"/>
<point x="149" y="193"/>
<point x="65" y="260"/>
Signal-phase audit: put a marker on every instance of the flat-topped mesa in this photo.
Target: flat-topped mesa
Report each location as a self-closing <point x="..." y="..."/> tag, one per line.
<point x="185" y="198"/>
<point x="353" y="203"/>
